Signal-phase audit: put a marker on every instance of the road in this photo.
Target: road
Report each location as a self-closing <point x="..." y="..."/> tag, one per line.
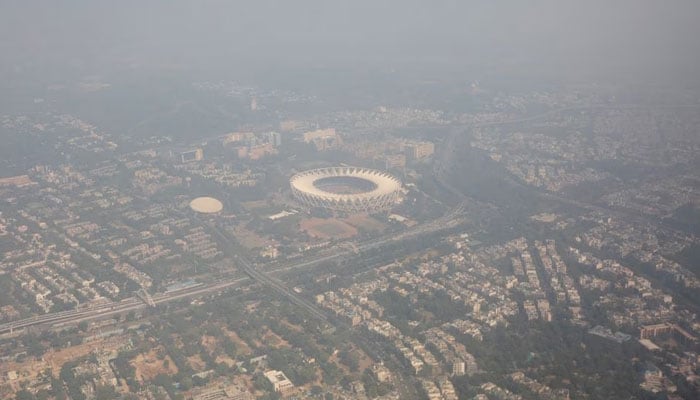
<point x="450" y="220"/>
<point x="112" y="308"/>
<point x="280" y="288"/>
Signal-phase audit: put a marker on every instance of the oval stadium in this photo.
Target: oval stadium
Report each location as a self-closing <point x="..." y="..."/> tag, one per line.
<point x="206" y="205"/>
<point x="347" y="189"/>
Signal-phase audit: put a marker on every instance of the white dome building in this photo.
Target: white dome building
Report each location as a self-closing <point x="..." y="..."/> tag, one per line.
<point x="206" y="205"/>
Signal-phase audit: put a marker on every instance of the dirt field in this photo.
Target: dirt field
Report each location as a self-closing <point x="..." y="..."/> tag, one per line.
<point x="26" y="371"/>
<point x="335" y="360"/>
<point x="225" y="359"/>
<point x="363" y="360"/>
<point x="56" y="359"/>
<point x="272" y="339"/>
<point x="249" y="239"/>
<point x="148" y="366"/>
<point x="327" y="228"/>
<point x="209" y="343"/>
<point x="197" y="363"/>
<point x="291" y="326"/>
<point x="254" y="205"/>
<point x="364" y="222"/>
<point x="241" y="347"/>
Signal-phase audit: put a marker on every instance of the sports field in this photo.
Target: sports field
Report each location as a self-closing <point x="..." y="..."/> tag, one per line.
<point x="330" y="228"/>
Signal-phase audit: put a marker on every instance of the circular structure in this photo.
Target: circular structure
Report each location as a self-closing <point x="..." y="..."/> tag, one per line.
<point x="206" y="205"/>
<point x="348" y="189"/>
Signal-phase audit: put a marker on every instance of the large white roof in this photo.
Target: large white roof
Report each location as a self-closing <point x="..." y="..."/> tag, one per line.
<point x="206" y="205"/>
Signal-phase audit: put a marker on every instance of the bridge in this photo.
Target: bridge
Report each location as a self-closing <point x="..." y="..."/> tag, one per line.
<point x="145" y="297"/>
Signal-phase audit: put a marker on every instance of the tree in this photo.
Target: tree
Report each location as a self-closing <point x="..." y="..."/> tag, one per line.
<point x="261" y="383"/>
<point x="163" y="380"/>
<point x="57" y="389"/>
<point x="24" y="394"/>
<point x="186" y="383"/>
<point x="104" y="392"/>
<point x="43" y="395"/>
<point x="350" y="359"/>
<point x="229" y="347"/>
<point x="316" y="390"/>
<point x="222" y="369"/>
<point x="199" y="381"/>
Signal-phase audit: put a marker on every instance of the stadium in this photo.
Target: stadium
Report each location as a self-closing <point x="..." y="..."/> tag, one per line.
<point x="347" y="189"/>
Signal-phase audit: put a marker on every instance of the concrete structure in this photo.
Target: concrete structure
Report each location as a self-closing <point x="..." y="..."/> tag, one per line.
<point x="192" y="155"/>
<point x="323" y="139"/>
<point x="19" y="181"/>
<point x="652" y="331"/>
<point x="458" y="367"/>
<point x="279" y="382"/>
<point x="417" y="151"/>
<point x="256" y="152"/>
<point x="275" y="138"/>
<point x="348" y="189"/>
<point x="395" y="161"/>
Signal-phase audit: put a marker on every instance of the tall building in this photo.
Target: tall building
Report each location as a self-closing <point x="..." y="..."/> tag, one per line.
<point x="275" y="138"/>
<point x="416" y="151"/>
<point x="395" y="161"/>
<point x="279" y="382"/>
<point x="255" y="152"/>
<point x="323" y="139"/>
<point x="458" y="367"/>
<point x="192" y="155"/>
<point x="235" y="137"/>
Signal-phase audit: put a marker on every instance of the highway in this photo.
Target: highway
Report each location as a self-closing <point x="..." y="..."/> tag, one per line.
<point x="280" y="288"/>
<point x="450" y="220"/>
<point x="111" y="308"/>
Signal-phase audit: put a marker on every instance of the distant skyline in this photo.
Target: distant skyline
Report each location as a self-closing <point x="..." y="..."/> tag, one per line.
<point x="577" y="41"/>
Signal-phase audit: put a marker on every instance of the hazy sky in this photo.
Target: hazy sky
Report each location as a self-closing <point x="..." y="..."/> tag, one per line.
<point x="650" y="38"/>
